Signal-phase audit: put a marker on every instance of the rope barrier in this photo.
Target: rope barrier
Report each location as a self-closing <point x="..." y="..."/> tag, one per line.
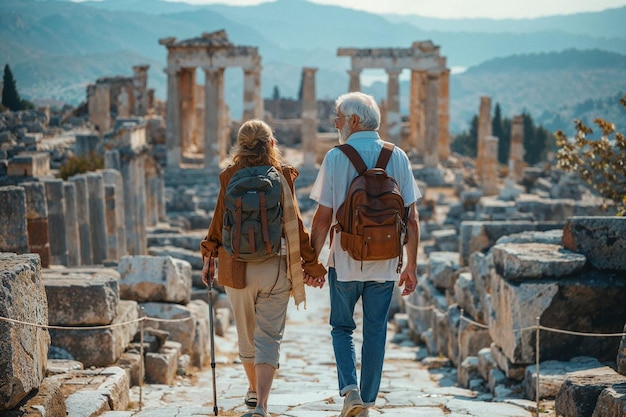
<point x="100" y="327"/>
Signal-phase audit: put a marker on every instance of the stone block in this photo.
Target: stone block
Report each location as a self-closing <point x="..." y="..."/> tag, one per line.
<point x="479" y="236"/>
<point x="82" y="298"/>
<point x="91" y="392"/>
<point x="161" y="366"/>
<point x="447" y="240"/>
<point x="23" y="348"/>
<point x="100" y="347"/>
<point x="525" y="261"/>
<point x="580" y="390"/>
<point x="13" y="223"/>
<point x="130" y="361"/>
<point x="192" y="332"/>
<point x="190" y="241"/>
<point x="512" y="371"/>
<point x="442" y="269"/>
<point x="552" y="374"/>
<point x="155" y="278"/>
<point x="48" y="401"/>
<point x="61" y="366"/>
<point x="193" y="257"/>
<point x="29" y="165"/>
<point x="611" y="402"/>
<point x="485" y="362"/>
<point x="468" y="370"/>
<point x="601" y="239"/>
<point x="590" y="301"/>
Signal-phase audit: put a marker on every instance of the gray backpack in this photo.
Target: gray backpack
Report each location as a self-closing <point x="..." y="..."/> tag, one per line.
<point x="253" y="213"/>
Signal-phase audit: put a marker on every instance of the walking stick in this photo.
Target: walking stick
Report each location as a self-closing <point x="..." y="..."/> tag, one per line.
<point x="215" y="410"/>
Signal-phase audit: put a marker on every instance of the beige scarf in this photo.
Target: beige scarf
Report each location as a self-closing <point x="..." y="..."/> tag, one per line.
<point x="292" y="237"/>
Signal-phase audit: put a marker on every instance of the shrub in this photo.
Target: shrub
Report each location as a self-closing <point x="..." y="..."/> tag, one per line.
<point x="600" y="162"/>
<point x="81" y="164"/>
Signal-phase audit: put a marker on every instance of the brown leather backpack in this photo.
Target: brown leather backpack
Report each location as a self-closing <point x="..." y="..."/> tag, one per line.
<point x="372" y="219"/>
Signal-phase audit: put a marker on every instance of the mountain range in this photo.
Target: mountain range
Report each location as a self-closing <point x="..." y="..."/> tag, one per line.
<point x="551" y="67"/>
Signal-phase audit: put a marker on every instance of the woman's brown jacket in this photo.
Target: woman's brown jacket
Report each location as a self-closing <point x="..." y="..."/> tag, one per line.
<point x="213" y="238"/>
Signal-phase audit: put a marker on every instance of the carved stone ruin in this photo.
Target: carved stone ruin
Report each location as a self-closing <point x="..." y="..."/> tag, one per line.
<point x="213" y="53"/>
<point x="430" y="97"/>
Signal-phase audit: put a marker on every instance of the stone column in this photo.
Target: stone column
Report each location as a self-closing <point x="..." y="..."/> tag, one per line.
<point x="97" y="218"/>
<point x="123" y="104"/>
<point x="516" y="150"/>
<point x="37" y="221"/>
<point x="309" y="116"/>
<point x="86" y="144"/>
<point x="213" y="107"/>
<point x="484" y="130"/>
<point x="172" y="119"/>
<point x="355" y="80"/>
<point x="82" y="216"/>
<point x="99" y="105"/>
<point x="55" y="197"/>
<point x="417" y="111"/>
<point x="72" y="237"/>
<point x="13" y="223"/>
<point x="114" y="214"/>
<point x="394" y="124"/>
<point x="186" y="93"/>
<point x="431" y="148"/>
<point x="140" y="84"/>
<point x="132" y="170"/>
<point x="153" y="183"/>
<point x="444" y="115"/>
<point x="490" y="166"/>
<point x="252" y="94"/>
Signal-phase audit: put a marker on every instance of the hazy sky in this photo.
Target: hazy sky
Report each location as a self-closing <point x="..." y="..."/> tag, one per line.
<point x="496" y="9"/>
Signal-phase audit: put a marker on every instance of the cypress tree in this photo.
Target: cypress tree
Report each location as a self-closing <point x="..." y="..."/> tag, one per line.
<point x="10" y="97"/>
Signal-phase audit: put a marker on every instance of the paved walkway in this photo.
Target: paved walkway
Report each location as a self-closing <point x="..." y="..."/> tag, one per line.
<point x="306" y="384"/>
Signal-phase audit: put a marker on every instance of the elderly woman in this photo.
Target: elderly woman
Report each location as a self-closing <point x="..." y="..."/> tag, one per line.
<point x="259" y="291"/>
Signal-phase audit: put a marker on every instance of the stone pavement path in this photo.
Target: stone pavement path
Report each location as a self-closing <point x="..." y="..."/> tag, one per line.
<point x="306" y="385"/>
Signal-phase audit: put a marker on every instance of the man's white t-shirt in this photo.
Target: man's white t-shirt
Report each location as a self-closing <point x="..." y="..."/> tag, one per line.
<point x="330" y="189"/>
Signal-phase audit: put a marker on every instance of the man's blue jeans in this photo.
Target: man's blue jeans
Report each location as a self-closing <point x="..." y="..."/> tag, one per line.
<point x="376" y="298"/>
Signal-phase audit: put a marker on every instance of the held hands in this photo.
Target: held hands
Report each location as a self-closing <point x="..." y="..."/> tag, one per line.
<point x="408" y="279"/>
<point x="208" y="271"/>
<point x="315" y="282"/>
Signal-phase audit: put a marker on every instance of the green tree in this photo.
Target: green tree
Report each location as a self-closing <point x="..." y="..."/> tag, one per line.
<point x="466" y="143"/>
<point x="10" y="97"/>
<point x="537" y="141"/>
<point x="501" y="128"/>
<point x="600" y="162"/>
<point x="276" y="94"/>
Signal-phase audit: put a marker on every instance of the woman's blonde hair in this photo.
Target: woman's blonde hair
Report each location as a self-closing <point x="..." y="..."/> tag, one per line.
<point x="256" y="146"/>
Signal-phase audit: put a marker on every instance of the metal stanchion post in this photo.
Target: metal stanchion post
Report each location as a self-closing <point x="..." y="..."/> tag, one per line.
<point x="537" y="366"/>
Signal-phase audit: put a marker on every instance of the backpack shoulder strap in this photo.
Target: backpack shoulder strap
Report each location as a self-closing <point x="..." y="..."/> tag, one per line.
<point x="354" y="157"/>
<point x="385" y="155"/>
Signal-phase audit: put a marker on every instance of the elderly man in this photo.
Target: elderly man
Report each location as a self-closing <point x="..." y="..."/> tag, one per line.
<point x="372" y="281"/>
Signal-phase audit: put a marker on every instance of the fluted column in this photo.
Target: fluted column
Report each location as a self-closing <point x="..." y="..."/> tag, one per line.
<point x="417" y="111"/>
<point x="186" y="91"/>
<point x="431" y="152"/>
<point x="252" y="98"/>
<point x="213" y="109"/>
<point x="355" y="80"/>
<point x="172" y="118"/>
<point x="394" y="124"/>
<point x="484" y="130"/>
<point x="444" y="115"/>
<point x="309" y="116"/>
